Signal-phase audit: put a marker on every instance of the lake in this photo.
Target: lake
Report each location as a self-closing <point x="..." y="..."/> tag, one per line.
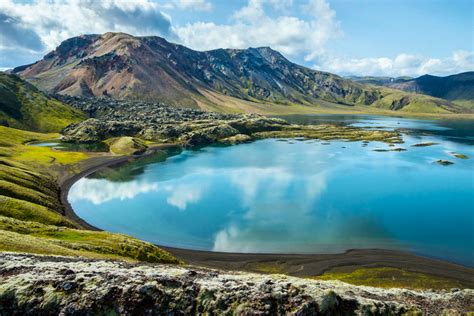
<point x="298" y="196"/>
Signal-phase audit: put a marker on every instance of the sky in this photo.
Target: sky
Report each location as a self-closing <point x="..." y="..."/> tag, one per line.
<point x="346" y="37"/>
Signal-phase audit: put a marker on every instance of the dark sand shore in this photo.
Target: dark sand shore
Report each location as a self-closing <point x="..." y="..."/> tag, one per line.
<point x="302" y="265"/>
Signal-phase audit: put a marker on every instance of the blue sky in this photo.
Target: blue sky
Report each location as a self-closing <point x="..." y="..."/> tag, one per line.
<point x="348" y="37"/>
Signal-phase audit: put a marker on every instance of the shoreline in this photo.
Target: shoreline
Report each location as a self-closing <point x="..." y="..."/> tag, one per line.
<point x="301" y="265"/>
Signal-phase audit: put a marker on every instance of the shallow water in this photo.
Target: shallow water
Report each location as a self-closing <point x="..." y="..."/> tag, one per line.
<point x="62" y="146"/>
<point x="290" y="196"/>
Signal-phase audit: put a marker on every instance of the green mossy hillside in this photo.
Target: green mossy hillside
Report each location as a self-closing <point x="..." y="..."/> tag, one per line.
<point x="32" y="219"/>
<point x="397" y="100"/>
<point x="24" y="106"/>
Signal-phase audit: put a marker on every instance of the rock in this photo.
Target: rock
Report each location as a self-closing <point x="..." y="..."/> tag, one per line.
<point x="191" y="127"/>
<point x="126" y="146"/>
<point x="444" y="162"/>
<point x="94" y="130"/>
<point x="115" y="287"/>
<point x="424" y="144"/>
<point x="459" y="156"/>
<point x="398" y="149"/>
<point x="252" y="124"/>
<point x="237" y="139"/>
<point x="206" y="136"/>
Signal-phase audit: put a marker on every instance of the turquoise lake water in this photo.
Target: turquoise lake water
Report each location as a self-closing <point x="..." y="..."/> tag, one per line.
<point x="293" y="196"/>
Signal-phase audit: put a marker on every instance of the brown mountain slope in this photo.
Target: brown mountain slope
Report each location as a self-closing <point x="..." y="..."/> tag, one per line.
<point x="152" y="69"/>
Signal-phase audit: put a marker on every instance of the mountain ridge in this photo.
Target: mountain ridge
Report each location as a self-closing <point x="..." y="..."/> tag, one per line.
<point x="150" y="68"/>
<point x="457" y="88"/>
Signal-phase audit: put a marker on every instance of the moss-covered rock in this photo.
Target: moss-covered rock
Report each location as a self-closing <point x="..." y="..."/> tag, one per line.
<point x="126" y="145"/>
<point x="66" y="285"/>
<point x="444" y="162"/>
<point x="237" y="139"/>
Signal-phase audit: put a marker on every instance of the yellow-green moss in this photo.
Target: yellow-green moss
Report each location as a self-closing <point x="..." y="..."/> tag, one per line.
<point x="31" y="216"/>
<point x="391" y="277"/>
<point x="16" y="235"/>
<point x="25" y="210"/>
<point x="460" y="156"/>
<point x="266" y="267"/>
<point x="126" y="145"/>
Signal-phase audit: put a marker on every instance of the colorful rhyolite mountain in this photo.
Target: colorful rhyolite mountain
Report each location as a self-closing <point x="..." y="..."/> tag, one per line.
<point x="153" y="69"/>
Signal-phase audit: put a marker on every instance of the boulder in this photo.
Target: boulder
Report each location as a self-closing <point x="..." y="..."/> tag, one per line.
<point x="126" y="146"/>
<point x="237" y="139"/>
<point x="209" y="135"/>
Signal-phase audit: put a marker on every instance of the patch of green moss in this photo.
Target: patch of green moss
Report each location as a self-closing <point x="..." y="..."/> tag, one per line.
<point x="332" y="132"/>
<point x="28" y="211"/>
<point x="460" y="156"/>
<point x="31" y="216"/>
<point x="266" y="267"/>
<point x="392" y="277"/>
<point x="126" y="145"/>
<point x="16" y="235"/>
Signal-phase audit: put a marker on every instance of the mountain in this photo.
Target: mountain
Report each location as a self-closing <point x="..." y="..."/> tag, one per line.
<point x="378" y="80"/>
<point x="24" y="106"/>
<point x="456" y="88"/>
<point x="153" y="69"/>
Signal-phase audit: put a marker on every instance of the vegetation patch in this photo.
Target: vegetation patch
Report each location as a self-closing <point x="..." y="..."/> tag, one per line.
<point x="266" y="267"/>
<point x="16" y="235"/>
<point x="459" y="156"/>
<point x="331" y="132"/>
<point x="126" y="145"/>
<point x="31" y="216"/>
<point x="391" y="277"/>
<point x="24" y="106"/>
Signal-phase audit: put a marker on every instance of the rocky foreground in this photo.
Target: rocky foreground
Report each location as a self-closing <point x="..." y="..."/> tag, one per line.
<point x="33" y="284"/>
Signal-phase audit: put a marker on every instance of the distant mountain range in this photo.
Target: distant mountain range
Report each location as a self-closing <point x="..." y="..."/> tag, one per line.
<point x="229" y="80"/>
<point x="456" y="88"/>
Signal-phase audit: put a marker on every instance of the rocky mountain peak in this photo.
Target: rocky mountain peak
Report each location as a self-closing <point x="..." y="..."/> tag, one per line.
<point x="150" y="68"/>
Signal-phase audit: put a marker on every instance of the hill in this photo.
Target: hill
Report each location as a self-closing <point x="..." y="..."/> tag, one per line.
<point x="228" y="80"/>
<point x="457" y="88"/>
<point x="24" y="106"/>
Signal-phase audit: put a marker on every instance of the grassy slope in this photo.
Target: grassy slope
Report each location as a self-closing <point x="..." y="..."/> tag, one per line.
<point x="24" y="106"/>
<point x="419" y="105"/>
<point x="31" y="216"/>
<point x="392" y="277"/>
<point x="386" y="277"/>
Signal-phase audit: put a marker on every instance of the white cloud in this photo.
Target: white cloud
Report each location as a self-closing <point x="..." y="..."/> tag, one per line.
<point x="401" y="65"/>
<point x="198" y="5"/>
<point x="248" y="180"/>
<point x="54" y="21"/>
<point x="252" y="26"/>
<point x="30" y="29"/>
<point x="99" y="191"/>
<point x="268" y="225"/>
<point x="182" y="195"/>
